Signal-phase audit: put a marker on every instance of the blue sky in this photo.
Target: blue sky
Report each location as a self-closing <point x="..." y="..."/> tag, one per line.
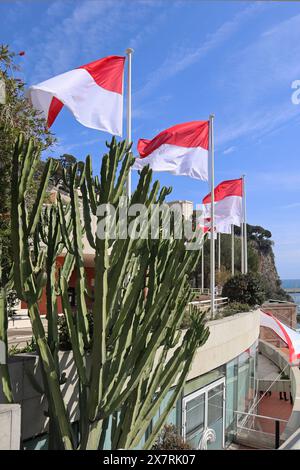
<point x="236" y="59"/>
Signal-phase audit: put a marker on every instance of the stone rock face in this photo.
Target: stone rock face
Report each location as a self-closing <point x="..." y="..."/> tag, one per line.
<point x="268" y="270"/>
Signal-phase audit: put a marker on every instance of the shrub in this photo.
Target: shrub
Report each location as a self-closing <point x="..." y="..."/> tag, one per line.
<point x="63" y="333"/>
<point x="30" y="347"/>
<point x="245" y="288"/>
<point x="235" y="307"/>
<point x="170" y="439"/>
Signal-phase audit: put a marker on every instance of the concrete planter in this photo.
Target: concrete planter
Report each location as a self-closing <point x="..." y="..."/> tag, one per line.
<point x="10" y="427"/>
<point x="27" y="386"/>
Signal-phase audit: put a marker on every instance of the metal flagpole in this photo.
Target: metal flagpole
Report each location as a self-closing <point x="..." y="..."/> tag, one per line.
<point x="202" y="269"/>
<point x="219" y="251"/>
<point x="232" y="249"/>
<point x="129" y="52"/>
<point x="212" y="215"/>
<point x="242" y="234"/>
<point x="242" y="248"/>
<point x="245" y="228"/>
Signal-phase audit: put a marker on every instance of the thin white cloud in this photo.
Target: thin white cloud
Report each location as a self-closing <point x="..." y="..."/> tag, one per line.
<point x="258" y="123"/>
<point x="229" y="150"/>
<point x="279" y="181"/>
<point x="260" y="77"/>
<point x="293" y="205"/>
<point x="60" y="147"/>
<point x="181" y="58"/>
<point x="73" y="32"/>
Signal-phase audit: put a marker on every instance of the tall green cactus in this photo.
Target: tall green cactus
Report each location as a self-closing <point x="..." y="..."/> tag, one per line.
<point x="4" y="372"/>
<point x="137" y="347"/>
<point x="29" y="273"/>
<point x="138" y="350"/>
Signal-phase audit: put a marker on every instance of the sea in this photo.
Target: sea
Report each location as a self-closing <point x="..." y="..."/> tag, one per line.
<point x="290" y="284"/>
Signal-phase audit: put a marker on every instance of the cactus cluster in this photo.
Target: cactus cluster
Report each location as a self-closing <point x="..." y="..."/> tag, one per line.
<point x="137" y="351"/>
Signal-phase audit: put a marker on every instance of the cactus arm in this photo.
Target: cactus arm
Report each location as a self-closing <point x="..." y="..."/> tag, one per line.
<point x="4" y="372"/>
<point x="77" y="350"/>
<point x="83" y="329"/>
<point x="52" y="378"/>
<point x="68" y="266"/>
<point x="87" y="216"/>
<point x="99" y="333"/>
<point x="126" y="164"/>
<point x="63" y="226"/>
<point x="161" y="420"/>
<point x="91" y="185"/>
<point x="26" y="158"/>
<point x="50" y="287"/>
<point x="37" y="207"/>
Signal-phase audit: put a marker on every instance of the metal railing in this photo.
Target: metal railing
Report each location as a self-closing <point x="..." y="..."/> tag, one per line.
<point x="200" y="291"/>
<point x="204" y="305"/>
<point x="258" y="431"/>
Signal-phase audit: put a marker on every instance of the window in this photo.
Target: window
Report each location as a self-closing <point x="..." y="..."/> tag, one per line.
<point x="202" y="410"/>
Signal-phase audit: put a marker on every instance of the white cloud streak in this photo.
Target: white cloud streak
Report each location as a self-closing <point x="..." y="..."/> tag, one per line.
<point x="182" y="58"/>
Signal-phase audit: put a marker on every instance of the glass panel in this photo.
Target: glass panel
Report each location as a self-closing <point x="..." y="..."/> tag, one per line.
<point x="195" y="414"/>
<point x="215" y="415"/>
<point x="204" y="380"/>
<point x="231" y="396"/>
<point x="215" y="404"/>
<point x="243" y="382"/>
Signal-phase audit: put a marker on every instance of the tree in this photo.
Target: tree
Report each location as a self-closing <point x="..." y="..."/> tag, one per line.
<point x="16" y="114"/>
<point x="253" y="259"/>
<point x="245" y="288"/>
<point x="65" y="162"/>
<point x="170" y="439"/>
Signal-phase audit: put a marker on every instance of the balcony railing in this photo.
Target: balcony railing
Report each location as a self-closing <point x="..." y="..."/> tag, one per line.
<point x="257" y="431"/>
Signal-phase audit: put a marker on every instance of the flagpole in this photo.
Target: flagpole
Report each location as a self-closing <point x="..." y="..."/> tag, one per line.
<point x="129" y="52"/>
<point x="202" y="269"/>
<point x="219" y="251"/>
<point x="212" y="215"/>
<point x="245" y="227"/>
<point x="242" y="232"/>
<point x="242" y="248"/>
<point x="232" y="249"/>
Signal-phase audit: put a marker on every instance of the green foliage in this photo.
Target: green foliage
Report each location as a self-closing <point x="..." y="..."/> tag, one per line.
<point x="260" y="237"/>
<point x="235" y="307"/>
<point x="11" y="302"/>
<point x="29" y="348"/>
<point x="65" y="162"/>
<point x="141" y="290"/>
<point x="245" y="288"/>
<point x="16" y="115"/>
<point x="253" y="260"/>
<point x="170" y="439"/>
<point x="4" y="372"/>
<point x="222" y="276"/>
<point x="190" y="313"/>
<point x="63" y="332"/>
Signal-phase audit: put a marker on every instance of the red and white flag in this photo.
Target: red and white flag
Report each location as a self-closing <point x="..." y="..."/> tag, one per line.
<point x="180" y="150"/>
<point x="93" y="93"/>
<point x="228" y="205"/>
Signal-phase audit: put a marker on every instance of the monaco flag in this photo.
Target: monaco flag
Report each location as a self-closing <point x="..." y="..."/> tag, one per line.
<point x="180" y="150"/>
<point x="228" y="205"/>
<point x="93" y="93"/>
